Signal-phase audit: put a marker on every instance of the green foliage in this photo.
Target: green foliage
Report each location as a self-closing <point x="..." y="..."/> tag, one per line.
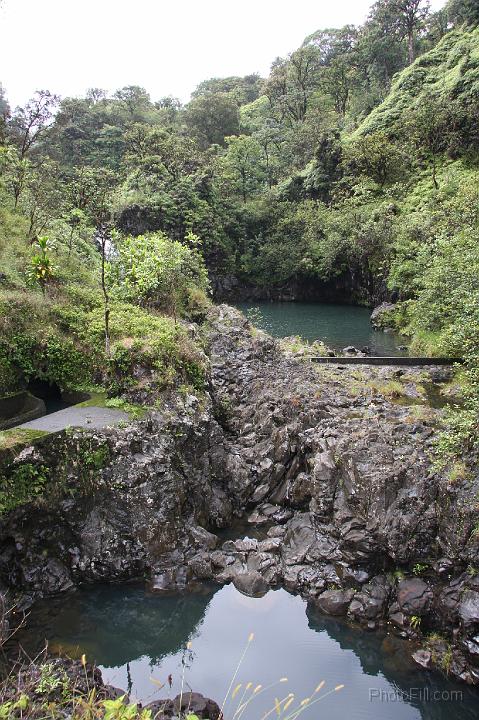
<point x="350" y="165"/>
<point x="21" y="485"/>
<point x="120" y="709"/>
<point x="154" y="271"/>
<point x="419" y="568"/>
<point x="42" y="270"/>
<point x="377" y="157"/>
<point x="415" y="622"/>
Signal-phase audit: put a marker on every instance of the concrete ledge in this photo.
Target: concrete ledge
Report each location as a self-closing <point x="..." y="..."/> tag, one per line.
<point x="406" y="361"/>
<point x="19" y="408"/>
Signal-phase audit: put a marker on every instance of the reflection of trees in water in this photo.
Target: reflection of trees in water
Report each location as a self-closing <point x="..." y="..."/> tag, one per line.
<point x="389" y="656"/>
<point x="116" y="625"/>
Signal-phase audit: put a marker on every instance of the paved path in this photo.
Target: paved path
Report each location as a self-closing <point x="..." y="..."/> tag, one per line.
<point x="84" y="417"/>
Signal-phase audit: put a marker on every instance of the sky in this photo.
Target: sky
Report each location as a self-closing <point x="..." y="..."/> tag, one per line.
<point x="166" y="46"/>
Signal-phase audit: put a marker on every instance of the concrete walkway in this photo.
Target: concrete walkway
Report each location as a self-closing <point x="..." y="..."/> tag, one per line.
<point x="373" y="360"/>
<point x="94" y="418"/>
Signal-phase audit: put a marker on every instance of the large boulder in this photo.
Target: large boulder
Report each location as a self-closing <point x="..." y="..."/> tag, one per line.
<point x="379" y="315"/>
<point x="414" y="596"/>
<point x="251" y="583"/>
<point x="335" y="602"/>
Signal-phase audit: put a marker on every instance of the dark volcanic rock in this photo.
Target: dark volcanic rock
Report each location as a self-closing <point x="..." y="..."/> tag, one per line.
<point x="336" y="477"/>
<point x="335" y="602"/>
<point x="414" y="596"/>
<point x="251" y="583"/>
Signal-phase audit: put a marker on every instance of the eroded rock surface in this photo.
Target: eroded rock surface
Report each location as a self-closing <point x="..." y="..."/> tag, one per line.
<point x="335" y="478"/>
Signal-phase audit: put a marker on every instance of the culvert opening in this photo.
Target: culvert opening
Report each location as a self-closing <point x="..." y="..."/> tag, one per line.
<point x="52" y="395"/>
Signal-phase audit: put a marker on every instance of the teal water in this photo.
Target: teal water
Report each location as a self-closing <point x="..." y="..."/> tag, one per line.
<point x="139" y="639"/>
<point x="336" y="325"/>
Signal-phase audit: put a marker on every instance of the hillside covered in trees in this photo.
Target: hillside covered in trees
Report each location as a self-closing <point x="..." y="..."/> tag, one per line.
<point x="353" y="166"/>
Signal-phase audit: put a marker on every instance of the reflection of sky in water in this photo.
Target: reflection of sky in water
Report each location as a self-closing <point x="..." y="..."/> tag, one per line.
<point x="336" y="325"/>
<point x="135" y="636"/>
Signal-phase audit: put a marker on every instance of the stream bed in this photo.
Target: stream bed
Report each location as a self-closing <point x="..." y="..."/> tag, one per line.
<point x="139" y="639"/>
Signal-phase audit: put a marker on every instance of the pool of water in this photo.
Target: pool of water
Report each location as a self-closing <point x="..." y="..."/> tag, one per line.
<point x="337" y="325"/>
<point x="140" y="639"/>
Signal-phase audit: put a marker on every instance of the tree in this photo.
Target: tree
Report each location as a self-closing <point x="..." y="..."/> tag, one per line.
<point x="212" y="117"/>
<point x="134" y="98"/>
<point x="377" y="156"/>
<point x="463" y="12"/>
<point x="4" y="115"/>
<point x="292" y="83"/>
<point x="326" y="167"/>
<point x="42" y="198"/>
<point x="28" y="123"/>
<point x="95" y="95"/>
<point x="270" y="137"/>
<point x="338" y="80"/>
<point x="243" y="164"/>
<point x="90" y="191"/>
<point x="156" y="150"/>
<point x="404" y="18"/>
<point x="242" y="90"/>
<point x="154" y="271"/>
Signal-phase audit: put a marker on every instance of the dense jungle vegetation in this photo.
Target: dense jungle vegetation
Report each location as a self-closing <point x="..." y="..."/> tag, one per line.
<point x="357" y="160"/>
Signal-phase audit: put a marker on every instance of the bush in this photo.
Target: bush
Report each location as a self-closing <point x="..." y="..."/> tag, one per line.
<point x="154" y="271"/>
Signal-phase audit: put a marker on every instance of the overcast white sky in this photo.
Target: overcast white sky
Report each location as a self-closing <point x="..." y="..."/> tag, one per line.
<point x="166" y="46"/>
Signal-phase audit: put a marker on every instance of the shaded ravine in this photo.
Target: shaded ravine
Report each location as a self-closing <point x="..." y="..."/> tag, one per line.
<point x="358" y="520"/>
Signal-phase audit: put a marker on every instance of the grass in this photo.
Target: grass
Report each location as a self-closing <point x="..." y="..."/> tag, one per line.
<point x="458" y="472"/>
<point x="19" y="437"/>
<point x="47" y="688"/>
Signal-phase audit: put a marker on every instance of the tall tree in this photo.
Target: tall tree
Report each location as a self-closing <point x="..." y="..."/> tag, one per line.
<point x="463" y="11"/>
<point x="212" y="117"/>
<point x="292" y="83"/>
<point x="403" y="17"/>
<point x="28" y="123"/>
<point x="4" y="114"/>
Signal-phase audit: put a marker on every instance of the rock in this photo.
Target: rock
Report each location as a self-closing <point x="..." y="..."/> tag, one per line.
<point x="339" y="478"/>
<point x="414" y="596"/>
<point x="378" y="319"/>
<point x="251" y="583"/>
<point x="472" y="646"/>
<point x="354" y="577"/>
<point x="441" y="374"/>
<point x="298" y="539"/>
<point x="468" y="609"/>
<point x="370" y="602"/>
<point x="203" y="538"/>
<point x="196" y="704"/>
<point x="335" y="602"/>
<point x="350" y="350"/>
<point x="423" y="658"/>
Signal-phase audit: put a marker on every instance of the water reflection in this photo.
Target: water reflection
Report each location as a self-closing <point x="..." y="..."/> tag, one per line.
<point x="336" y="325"/>
<point x="135" y="636"/>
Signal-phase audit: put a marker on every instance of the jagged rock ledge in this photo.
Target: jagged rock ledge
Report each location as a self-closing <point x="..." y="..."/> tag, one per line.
<point x="355" y="516"/>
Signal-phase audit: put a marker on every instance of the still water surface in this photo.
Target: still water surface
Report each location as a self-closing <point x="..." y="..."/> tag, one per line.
<point x="135" y="636"/>
<point x="337" y="325"/>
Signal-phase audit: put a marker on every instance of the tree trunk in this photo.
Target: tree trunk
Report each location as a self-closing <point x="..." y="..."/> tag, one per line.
<point x="106" y="298"/>
<point x="434" y="178"/>
<point x="410" y="46"/>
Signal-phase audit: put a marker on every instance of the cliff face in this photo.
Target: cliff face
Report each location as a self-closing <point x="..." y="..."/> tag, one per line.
<point x="339" y="478"/>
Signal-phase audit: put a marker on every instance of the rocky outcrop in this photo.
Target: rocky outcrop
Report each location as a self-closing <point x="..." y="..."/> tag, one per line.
<point x="379" y="316"/>
<point x="336" y="480"/>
